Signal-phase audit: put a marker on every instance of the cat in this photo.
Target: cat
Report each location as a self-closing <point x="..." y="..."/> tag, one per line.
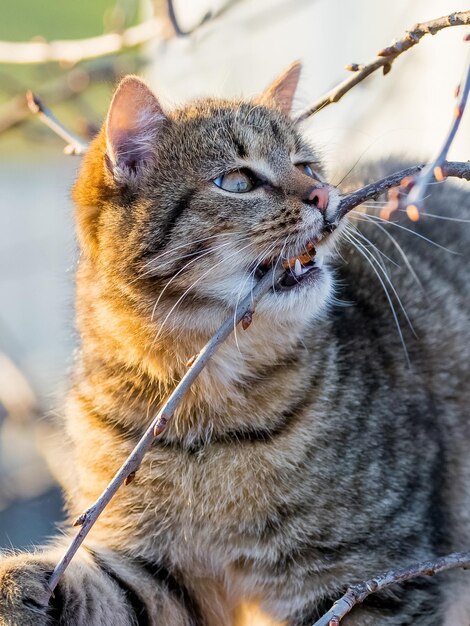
<point x="319" y="447"/>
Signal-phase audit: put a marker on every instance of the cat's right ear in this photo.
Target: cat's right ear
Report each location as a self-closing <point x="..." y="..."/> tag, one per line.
<point x="135" y="119"/>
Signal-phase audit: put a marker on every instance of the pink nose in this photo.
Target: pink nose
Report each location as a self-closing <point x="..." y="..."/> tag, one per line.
<point x="319" y="197"/>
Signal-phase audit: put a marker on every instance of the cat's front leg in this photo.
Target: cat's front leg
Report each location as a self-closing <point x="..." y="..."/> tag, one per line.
<point x="85" y="595"/>
<point x="99" y="587"/>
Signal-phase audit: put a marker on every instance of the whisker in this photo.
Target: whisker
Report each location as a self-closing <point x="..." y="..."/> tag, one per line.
<point x="206" y="253"/>
<point x="390" y="302"/>
<point x="400" y="250"/>
<point x="185" y="245"/>
<point x="388" y="279"/>
<point x="372" y="245"/>
<point x="442" y="217"/>
<point x="211" y="269"/>
<point x="434" y="243"/>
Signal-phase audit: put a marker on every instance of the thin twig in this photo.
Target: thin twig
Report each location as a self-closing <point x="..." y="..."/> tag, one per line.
<point x="73" y="51"/>
<point x="385" y="59"/>
<point x="244" y="313"/>
<point x="75" y="146"/>
<point x="159" y="424"/>
<point x="358" y="593"/>
<point x="437" y="169"/>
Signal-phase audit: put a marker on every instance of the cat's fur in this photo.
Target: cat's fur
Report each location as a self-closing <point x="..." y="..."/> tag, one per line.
<point x="308" y="454"/>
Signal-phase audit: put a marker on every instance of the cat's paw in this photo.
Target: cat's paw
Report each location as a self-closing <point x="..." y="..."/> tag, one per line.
<point x="24" y="592"/>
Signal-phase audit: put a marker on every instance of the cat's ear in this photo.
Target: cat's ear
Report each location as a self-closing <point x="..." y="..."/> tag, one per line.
<point x="135" y="119"/>
<point x="282" y="91"/>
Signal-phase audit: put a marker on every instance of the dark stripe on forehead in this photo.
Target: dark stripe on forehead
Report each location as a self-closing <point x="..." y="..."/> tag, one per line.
<point x="276" y="131"/>
<point x="241" y="150"/>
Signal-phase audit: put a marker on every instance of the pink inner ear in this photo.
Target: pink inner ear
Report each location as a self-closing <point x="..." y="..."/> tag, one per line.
<point x="282" y="91"/>
<point x="134" y="120"/>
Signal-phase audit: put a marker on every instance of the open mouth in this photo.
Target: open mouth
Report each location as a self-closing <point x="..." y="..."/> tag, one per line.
<point x="299" y="269"/>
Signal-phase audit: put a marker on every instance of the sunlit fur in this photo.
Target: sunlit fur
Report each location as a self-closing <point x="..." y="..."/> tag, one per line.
<point x="309" y="454"/>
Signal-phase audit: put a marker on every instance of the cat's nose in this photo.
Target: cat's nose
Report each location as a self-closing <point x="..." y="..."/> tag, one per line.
<point x="318" y="197"/>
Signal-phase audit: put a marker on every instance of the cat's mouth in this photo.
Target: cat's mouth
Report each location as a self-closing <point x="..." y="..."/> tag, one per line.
<point x="299" y="269"/>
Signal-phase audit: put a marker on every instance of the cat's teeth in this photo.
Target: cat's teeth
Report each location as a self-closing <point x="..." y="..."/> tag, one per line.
<point x="319" y="261"/>
<point x="298" y="268"/>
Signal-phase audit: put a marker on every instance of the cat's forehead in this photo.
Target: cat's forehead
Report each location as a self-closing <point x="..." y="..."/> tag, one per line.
<point x="246" y="128"/>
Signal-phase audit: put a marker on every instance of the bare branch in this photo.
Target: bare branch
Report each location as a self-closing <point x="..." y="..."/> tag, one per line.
<point x="73" y="51"/>
<point x="358" y="593"/>
<point x="455" y="169"/>
<point x="243" y="314"/>
<point x="385" y="59"/>
<point x="437" y="170"/>
<point x="75" y="146"/>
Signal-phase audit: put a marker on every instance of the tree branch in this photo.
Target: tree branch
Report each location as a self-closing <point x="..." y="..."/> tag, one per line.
<point x="73" y="51"/>
<point x="456" y="169"/>
<point x="437" y="170"/>
<point x="358" y="593"/>
<point x="74" y="145"/>
<point x="385" y="59"/>
<point x="243" y="314"/>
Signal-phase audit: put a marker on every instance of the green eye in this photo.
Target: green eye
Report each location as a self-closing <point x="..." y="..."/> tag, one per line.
<point x="236" y="182"/>
<point x="306" y="169"/>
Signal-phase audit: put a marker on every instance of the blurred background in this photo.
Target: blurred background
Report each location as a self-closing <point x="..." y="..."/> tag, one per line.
<point x="185" y="49"/>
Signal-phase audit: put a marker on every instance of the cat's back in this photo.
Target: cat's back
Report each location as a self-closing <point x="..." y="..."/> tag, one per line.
<point x="404" y="333"/>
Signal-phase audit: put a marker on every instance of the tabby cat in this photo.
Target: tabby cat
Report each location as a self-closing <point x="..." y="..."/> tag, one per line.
<point x="313" y="451"/>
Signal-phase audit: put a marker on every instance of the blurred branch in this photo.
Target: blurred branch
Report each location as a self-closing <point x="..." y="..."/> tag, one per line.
<point x="73" y="51"/>
<point x="437" y="170"/>
<point x="358" y="593"/>
<point x="211" y="14"/>
<point x="63" y="88"/>
<point x="385" y="59"/>
<point x="74" y="145"/>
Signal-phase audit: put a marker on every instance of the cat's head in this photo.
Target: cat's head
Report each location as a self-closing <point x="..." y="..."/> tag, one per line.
<point x="181" y="212"/>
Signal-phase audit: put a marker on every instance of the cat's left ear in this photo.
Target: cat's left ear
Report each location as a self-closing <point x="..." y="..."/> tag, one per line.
<point x="135" y="119"/>
<point x="282" y="91"/>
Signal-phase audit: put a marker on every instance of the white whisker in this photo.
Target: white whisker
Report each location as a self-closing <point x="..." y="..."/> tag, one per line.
<point x="185" y="245"/>
<point x="211" y="269"/>
<point x="399" y="248"/>
<point x="408" y="230"/>
<point x="206" y="253"/>
<point x="387" y="295"/>
<point x="372" y="245"/>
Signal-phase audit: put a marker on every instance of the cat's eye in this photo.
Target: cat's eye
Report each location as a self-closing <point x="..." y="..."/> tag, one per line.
<point x="235" y="182"/>
<point x="307" y="169"/>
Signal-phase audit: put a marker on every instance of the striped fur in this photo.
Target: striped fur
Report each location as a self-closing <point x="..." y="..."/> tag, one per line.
<point x="308" y="454"/>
